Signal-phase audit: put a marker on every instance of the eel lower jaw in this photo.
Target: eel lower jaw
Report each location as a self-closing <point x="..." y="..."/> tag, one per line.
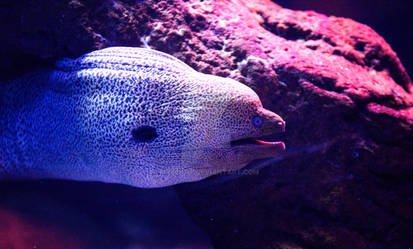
<point x="259" y="147"/>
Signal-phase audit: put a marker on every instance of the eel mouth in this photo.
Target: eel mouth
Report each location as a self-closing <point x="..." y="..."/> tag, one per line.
<point x="269" y="143"/>
<point x="256" y="142"/>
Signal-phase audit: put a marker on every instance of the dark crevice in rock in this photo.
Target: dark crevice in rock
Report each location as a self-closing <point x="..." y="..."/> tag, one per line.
<point x="351" y="57"/>
<point x="196" y="23"/>
<point x="293" y="32"/>
<point x="329" y="41"/>
<point x="375" y="58"/>
<point x="239" y="55"/>
<point x="297" y="76"/>
<point x="384" y="100"/>
<point x="312" y="47"/>
<point x="360" y="46"/>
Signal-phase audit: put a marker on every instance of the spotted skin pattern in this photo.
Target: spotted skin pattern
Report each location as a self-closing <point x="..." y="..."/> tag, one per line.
<point x="76" y="121"/>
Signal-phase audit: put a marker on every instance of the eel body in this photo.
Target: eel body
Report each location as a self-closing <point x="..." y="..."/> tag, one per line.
<point x="132" y="116"/>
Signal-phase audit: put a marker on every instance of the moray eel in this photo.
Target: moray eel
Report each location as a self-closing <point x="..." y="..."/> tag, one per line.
<point x="132" y="116"/>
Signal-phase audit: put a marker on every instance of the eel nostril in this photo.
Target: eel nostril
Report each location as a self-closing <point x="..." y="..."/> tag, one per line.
<point x="281" y="125"/>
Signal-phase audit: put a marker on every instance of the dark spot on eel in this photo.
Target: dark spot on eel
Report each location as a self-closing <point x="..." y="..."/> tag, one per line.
<point x="144" y="133"/>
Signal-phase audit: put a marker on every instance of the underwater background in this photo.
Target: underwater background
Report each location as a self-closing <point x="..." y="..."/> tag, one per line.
<point x="345" y="180"/>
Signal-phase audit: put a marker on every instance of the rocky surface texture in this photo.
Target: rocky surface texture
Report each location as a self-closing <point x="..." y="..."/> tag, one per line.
<point x="346" y="178"/>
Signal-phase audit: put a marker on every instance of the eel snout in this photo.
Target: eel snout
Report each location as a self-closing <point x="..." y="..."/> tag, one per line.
<point x="265" y="144"/>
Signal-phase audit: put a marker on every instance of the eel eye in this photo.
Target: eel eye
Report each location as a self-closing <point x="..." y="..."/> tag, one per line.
<point x="257" y="122"/>
<point x="144" y="133"/>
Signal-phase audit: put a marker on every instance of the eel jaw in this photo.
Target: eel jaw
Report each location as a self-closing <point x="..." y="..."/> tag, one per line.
<point x="258" y="147"/>
<point x="255" y="142"/>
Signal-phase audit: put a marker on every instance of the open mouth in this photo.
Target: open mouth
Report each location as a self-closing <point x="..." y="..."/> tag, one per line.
<point x="260" y="141"/>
